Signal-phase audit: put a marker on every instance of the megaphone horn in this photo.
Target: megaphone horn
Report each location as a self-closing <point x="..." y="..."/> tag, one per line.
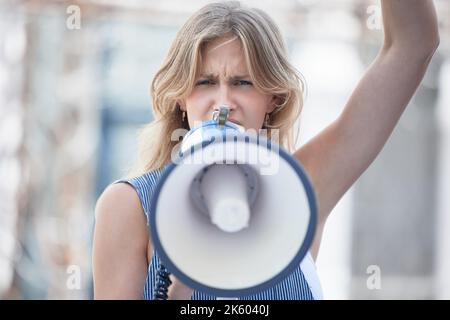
<point x="233" y="214"/>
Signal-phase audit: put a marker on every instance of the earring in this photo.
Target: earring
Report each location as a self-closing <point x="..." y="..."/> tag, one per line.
<point x="183" y="117"/>
<point x="266" y="120"/>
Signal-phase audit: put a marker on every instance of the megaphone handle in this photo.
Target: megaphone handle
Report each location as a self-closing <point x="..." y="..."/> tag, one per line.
<point x="162" y="283"/>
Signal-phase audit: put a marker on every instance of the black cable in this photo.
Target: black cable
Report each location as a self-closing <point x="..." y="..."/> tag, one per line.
<point x="162" y="283"/>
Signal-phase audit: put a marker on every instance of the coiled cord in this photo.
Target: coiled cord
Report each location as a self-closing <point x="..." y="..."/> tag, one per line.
<point x="162" y="283"/>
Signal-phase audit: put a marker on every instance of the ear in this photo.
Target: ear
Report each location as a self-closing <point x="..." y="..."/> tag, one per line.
<point x="182" y="105"/>
<point x="275" y="101"/>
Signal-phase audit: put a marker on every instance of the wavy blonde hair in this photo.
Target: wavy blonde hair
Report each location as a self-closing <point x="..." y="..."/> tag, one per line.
<point x="267" y="62"/>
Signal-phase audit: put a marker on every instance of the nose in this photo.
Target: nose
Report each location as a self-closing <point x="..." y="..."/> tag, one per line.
<point x="225" y="98"/>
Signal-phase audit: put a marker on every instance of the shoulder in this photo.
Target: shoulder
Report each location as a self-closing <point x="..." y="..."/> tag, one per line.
<point x="118" y="210"/>
<point x="119" y="197"/>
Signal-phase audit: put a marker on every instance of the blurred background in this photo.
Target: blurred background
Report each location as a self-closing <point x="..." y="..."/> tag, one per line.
<point x="74" y="91"/>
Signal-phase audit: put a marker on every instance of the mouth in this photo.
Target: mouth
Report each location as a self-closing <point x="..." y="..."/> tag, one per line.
<point x="235" y="121"/>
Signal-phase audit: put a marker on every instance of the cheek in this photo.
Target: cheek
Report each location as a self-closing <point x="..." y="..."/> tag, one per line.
<point x="198" y="103"/>
<point x="257" y="105"/>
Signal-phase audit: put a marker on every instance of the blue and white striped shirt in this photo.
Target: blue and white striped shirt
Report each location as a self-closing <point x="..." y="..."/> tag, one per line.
<point x="293" y="287"/>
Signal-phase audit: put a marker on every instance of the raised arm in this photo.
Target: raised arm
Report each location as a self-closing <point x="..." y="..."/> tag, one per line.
<point x="338" y="155"/>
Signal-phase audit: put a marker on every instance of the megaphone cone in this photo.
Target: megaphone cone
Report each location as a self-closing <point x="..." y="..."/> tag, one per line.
<point x="233" y="214"/>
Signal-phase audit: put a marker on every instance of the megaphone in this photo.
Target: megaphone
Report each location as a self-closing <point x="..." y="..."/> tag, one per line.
<point x="233" y="214"/>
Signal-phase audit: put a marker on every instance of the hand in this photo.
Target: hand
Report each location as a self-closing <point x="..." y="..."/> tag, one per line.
<point x="178" y="290"/>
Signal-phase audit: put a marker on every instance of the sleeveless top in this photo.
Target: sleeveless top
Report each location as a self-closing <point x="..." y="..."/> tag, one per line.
<point x="302" y="284"/>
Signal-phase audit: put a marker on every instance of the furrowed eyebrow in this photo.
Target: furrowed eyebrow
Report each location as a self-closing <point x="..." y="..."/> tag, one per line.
<point x="240" y="77"/>
<point x="214" y="76"/>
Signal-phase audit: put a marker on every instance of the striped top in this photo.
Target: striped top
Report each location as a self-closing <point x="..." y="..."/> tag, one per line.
<point x="302" y="284"/>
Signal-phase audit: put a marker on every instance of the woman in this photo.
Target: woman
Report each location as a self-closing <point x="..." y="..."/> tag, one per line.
<point x="229" y="54"/>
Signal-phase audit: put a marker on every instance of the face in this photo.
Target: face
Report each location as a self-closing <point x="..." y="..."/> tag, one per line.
<point x="224" y="80"/>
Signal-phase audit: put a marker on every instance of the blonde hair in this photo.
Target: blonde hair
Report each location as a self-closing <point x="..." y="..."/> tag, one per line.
<point x="267" y="62"/>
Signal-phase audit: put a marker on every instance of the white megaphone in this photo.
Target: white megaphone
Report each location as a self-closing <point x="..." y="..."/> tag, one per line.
<point x="233" y="213"/>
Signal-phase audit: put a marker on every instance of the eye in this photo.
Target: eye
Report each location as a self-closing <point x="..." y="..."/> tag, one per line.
<point x="242" y="83"/>
<point x="204" y="82"/>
